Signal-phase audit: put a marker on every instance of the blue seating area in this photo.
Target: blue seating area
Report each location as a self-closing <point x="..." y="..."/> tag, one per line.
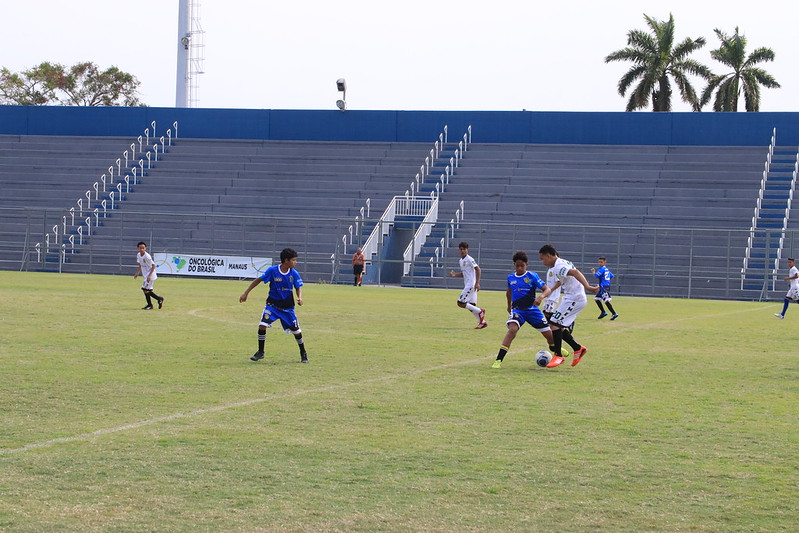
<point x="641" y="206"/>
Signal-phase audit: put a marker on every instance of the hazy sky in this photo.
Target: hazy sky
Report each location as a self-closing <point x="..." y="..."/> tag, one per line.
<point x="400" y="55"/>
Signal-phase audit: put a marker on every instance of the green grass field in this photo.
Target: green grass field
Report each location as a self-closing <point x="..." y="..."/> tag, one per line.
<point x="682" y="417"/>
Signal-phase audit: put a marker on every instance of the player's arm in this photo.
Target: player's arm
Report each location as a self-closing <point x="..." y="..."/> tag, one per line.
<point x="138" y="272"/>
<point x="150" y="274"/>
<point x="253" y="284"/>
<point x="477" y="277"/>
<point x="545" y="292"/>
<point x="508" y="295"/>
<point x="454" y="274"/>
<point x="299" y="295"/>
<point x="789" y="278"/>
<point x="576" y="274"/>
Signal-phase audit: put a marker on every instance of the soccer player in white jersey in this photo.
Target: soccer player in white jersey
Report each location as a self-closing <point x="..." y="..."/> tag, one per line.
<point x="146" y="270"/>
<point x="571" y="283"/>
<point x="470" y="272"/>
<point x="793" y="291"/>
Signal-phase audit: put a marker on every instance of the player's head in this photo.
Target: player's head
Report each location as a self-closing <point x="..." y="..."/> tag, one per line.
<point x="463" y="248"/>
<point x="791" y="262"/>
<point x="602" y="261"/>
<point x="142" y="246"/>
<point x="520" y="261"/>
<point x="548" y="255"/>
<point x="286" y="255"/>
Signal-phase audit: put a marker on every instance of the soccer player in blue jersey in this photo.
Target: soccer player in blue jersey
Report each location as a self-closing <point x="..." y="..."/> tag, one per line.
<point x="282" y="280"/>
<point x="604" y="275"/>
<point x="523" y="305"/>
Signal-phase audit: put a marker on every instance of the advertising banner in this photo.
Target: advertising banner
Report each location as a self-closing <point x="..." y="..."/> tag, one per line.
<point x="210" y="265"/>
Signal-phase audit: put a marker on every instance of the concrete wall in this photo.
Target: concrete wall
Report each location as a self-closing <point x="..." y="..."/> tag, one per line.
<point x="640" y="128"/>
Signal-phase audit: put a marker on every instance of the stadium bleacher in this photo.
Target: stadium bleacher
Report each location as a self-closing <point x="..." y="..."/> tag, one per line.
<point x="638" y="205"/>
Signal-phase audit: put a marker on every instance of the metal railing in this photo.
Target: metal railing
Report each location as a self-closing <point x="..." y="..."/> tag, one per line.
<point x="659" y="262"/>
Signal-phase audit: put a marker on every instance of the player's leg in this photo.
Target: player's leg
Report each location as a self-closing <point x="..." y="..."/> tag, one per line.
<point x="266" y="322"/>
<point x="291" y="325"/>
<point x="608" y="299"/>
<point x="158" y="299"/>
<point x="147" y="287"/>
<point x="598" y="299"/>
<point x="513" y="328"/>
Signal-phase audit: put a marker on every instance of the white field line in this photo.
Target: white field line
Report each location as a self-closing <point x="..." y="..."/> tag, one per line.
<point x="245" y="403"/>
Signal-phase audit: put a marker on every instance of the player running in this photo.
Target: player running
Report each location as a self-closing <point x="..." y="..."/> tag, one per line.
<point x="470" y="272"/>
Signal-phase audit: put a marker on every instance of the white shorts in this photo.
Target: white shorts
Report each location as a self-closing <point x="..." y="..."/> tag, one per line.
<point x="793" y="294"/>
<point x="549" y="306"/>
<point x="147" y="285"/>
<point x="567" y="311"/>
<point x="468" y="296"/>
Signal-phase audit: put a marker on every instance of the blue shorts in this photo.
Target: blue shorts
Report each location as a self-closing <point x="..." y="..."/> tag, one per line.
<point x="286" y="316"/>
<point x="603" y="294"/>
<point x="532" y="316"/>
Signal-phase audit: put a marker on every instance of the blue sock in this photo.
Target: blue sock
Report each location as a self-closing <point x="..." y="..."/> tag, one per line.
<point x="785" y="307"/>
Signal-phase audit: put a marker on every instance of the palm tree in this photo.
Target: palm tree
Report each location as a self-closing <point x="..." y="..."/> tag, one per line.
<point x="745" y="77"/>
<point x="656" y="60"/>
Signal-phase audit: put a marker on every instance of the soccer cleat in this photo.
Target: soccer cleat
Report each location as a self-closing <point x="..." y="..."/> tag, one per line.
<point x="147" y="307"/>
<point x="482" y="316"/>
<point x="257" y="356"/>
<point x="497" y="364"/>
<point x="615" y="316"/>
<point x="481" y="325"/>
<point x="303" y="358"/>
<point x="557" y="360"/>
<point x="578" y="355"/>
<point x="779" y="315"/>
<point x="161" y="302"/>
<point x="603" y="315"/>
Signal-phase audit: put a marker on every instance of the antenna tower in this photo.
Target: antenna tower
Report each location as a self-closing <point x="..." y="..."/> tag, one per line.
<point x="191" y="53"/>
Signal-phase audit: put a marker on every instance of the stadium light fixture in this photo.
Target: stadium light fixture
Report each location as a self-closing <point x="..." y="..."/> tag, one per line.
<point x="341" y="85"/>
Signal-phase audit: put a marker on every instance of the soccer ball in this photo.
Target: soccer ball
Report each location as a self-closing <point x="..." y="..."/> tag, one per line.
<point x="542" y="358"/>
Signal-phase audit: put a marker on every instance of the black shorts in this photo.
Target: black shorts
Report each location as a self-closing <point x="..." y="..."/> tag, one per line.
<point x="357" y="269"/>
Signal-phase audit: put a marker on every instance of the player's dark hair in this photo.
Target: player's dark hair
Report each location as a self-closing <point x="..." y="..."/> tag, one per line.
<point x="791" y="259"/>
<point x="548" y="249"/>
<point x="601" y="258"/>
<point x="520" y="256"/>
<point x="464" y="244"/>
<point x="140" y="243"/>
<point x="286" y="254"/>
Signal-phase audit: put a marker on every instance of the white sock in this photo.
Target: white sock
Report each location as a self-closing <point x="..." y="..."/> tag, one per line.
<point x="474" y="310"/>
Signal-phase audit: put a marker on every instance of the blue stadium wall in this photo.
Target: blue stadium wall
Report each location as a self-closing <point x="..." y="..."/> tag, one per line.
<point x="710" y="129"/>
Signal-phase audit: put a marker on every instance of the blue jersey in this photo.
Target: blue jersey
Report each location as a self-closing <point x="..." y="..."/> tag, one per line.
<point x="522" y="289"/>
<point x="281" y="286"/>
<point x="604" y="275"/>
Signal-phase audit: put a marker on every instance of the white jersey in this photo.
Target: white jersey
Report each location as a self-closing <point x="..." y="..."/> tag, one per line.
<point x="793" y="273"/>
<point x="146" y="262"/>
<point x="468" y="264"/>
<point x="569" y="286"/>
<point x="793" y="291"/>
<point x="551" y="280"/>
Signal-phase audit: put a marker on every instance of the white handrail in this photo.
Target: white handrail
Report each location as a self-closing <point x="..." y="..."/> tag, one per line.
<point x="175" y="125"/>
<point x="125" y="155"/>
<point x="80" y="235"/>
<point x="96" y="187"/>
<point x="419" y="238"/>
<point x="445" y="133"/>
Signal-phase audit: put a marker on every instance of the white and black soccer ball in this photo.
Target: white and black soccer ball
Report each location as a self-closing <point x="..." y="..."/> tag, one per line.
<point x="543" y="357"/>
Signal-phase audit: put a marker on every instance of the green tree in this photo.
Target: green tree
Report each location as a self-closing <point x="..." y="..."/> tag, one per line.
<point x="83" y="84"/>
<point x="745" y="77"/>
<point x="35" y="86"/>
<point x="656" y="61"/>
